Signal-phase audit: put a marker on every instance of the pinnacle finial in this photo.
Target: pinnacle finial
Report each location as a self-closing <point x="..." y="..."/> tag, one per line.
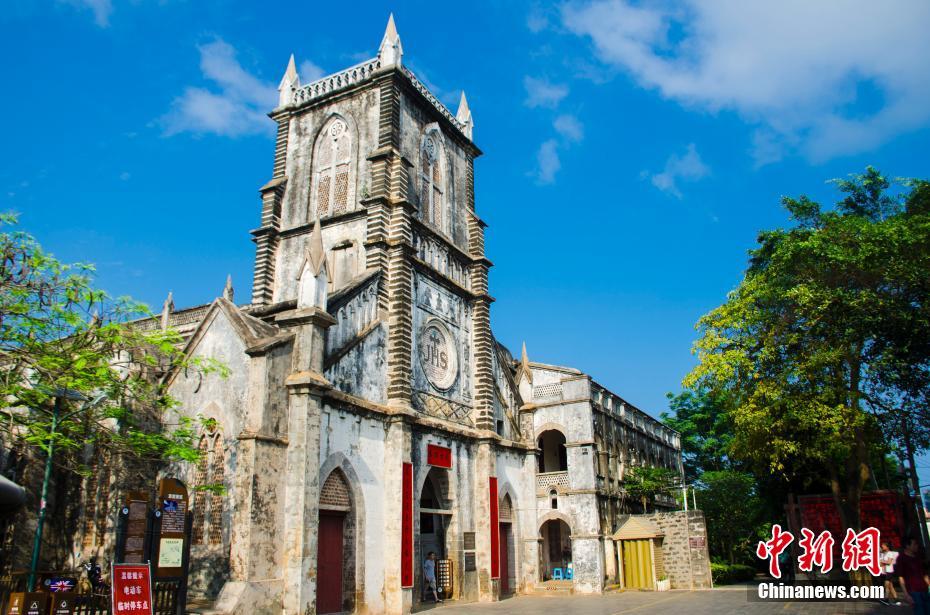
<point x="391" y="51"/>
<point x="166" y="309"/>
<point x="289" y="82"/>
<point x="313" y="281"/>
<point x="463" y="115"/>
<point x="316" y="255"/>
<point x="524" y="368"/>
<point x="228" y="290"/>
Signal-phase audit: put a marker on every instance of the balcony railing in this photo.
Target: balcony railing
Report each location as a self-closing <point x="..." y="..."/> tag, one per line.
<point x="547" y="480"/>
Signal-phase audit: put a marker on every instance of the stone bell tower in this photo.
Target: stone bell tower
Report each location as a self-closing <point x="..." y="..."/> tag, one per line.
<point x="389" y="172"/>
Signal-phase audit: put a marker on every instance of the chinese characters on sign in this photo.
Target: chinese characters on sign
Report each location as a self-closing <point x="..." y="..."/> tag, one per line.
<point x="438" y="456"/>
<point x="132" y="590"/>
<point x="859" y="550"/>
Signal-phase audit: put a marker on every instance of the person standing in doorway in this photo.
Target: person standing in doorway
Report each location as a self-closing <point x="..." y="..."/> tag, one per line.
<point x="429" y="574"/>
<point x="913" y="580"/>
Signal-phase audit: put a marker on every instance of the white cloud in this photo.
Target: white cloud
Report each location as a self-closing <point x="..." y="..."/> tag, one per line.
<point x="569" y="127"/>
<point x="548" y="163"/>
<point x="310" y="72"/>
<point x="794" y="69"/>
<point x="542" y="93"/>
<point x="687" y="167"/>
<point x="102" y="9"/>
<point x="237" y="108"/>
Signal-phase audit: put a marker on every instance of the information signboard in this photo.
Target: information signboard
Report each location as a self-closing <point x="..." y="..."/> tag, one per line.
<point x="169" y="544"/>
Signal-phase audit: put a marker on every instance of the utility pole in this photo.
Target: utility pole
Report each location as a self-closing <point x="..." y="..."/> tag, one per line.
<point x="37" y="541"/>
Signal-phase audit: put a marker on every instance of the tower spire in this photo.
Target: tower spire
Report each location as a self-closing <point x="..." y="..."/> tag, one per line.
<point x="289" y="82"/>
<point x="463" y="115"/>
<point x="391" y="51"/>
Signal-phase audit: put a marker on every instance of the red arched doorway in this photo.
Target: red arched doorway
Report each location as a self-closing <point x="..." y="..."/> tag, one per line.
<point x="335" y="584"/>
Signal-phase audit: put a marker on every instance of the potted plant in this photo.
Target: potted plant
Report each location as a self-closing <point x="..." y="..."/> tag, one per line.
<point x="663" y="584"/>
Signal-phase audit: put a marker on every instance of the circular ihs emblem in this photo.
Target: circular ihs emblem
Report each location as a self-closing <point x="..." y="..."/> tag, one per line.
<point x="438" y="355"/>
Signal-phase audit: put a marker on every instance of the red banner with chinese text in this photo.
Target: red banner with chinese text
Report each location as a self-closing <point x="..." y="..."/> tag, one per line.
<point x="406" y="527"/>
<point x="495" y="531"/>
<point x="438" y="456"/>
<point x="131" y="592"/>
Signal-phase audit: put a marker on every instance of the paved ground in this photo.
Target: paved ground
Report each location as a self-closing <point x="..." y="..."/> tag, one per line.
<point x="730" y="600"/>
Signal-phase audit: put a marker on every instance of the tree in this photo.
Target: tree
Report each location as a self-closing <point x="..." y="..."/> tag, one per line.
<point x="733" y="510"/>
<point x="645" y="483"/>
<point x="78" y="368"/>
<point x="827" y="334"/>
<point x="702" y="419"/>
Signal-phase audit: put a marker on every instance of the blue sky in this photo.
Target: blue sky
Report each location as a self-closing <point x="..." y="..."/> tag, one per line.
<point x="632" y="152"/>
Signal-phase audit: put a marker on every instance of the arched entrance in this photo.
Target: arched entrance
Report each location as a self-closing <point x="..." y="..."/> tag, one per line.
<point x="507" y="553"/>
<point x="555" y="550"/>
<point x="335" y="587"/>
<point x="435" y="517"/>
<point x="552" y="454"/>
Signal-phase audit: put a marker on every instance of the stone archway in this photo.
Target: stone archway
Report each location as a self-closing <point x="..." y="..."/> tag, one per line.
<point x="555" y="548"/>
<point x="435" y="505"/>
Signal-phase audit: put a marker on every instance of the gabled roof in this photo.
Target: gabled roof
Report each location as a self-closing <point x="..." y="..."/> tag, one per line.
<point x="637" y="528"/>
<point x="255" y="334"/>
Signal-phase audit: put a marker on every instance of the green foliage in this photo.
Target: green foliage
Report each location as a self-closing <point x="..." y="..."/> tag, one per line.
<point x="734" y="513"/>
<point x="62" y="339"/>
<point x="701" y="417"/>
<point x="827" y="338"/>
<point x="724" y="574"/>
<point x="645" y="483"/>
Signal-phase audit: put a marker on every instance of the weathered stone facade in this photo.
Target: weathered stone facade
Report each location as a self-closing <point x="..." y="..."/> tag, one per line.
<point x="367" y="348"/>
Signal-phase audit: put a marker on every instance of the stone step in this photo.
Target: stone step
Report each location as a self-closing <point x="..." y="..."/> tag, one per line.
<point x="553" y="588"/>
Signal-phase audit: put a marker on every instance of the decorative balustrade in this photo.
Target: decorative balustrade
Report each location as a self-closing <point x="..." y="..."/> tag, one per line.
<point x="547" y="480"/>
<point x="432" y="99"/>
<point x="345" y="78"/>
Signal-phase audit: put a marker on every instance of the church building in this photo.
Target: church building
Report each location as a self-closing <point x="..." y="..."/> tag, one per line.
<point x="370" y="416"/>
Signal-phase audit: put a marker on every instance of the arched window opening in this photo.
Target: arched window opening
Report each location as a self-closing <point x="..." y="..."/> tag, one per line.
<point x="200" y="496"/>
<point x="332" y="160"/>
<point x="552" y="454"/>
<point x="553" y="499"/>
<point x="431" y="182"/>
<point x="209" y="476"/>
<point x="216" y="499"/>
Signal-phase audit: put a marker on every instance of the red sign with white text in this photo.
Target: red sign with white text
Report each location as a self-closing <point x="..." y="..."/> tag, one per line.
<point x="406" y="527"/>
<point x="438" y="456"/>
<point x="132" y="590"/>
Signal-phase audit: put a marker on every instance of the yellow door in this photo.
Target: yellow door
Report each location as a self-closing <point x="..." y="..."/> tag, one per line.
<point x="637" y="564"/>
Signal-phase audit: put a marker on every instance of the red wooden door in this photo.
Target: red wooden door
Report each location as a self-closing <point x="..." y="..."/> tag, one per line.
<point x="505" y="563"/>
<point x="329" y="563"/>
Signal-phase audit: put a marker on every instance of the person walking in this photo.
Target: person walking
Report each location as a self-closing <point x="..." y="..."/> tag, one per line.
<point x="429" y="574"/>
<point x="887" y="559"/>
<point x="913" y="580"/>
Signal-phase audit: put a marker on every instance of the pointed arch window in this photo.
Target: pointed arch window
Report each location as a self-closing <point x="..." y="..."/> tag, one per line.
<point x="332" y="181"/>
<point x="208" y="505"/>
<point x="431" y="181"/>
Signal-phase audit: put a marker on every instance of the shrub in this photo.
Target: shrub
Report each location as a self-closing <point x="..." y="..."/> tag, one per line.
<point x="724" y="574"/>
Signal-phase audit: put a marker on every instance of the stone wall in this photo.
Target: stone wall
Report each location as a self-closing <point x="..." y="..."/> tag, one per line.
<point x="684" y="548"/>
